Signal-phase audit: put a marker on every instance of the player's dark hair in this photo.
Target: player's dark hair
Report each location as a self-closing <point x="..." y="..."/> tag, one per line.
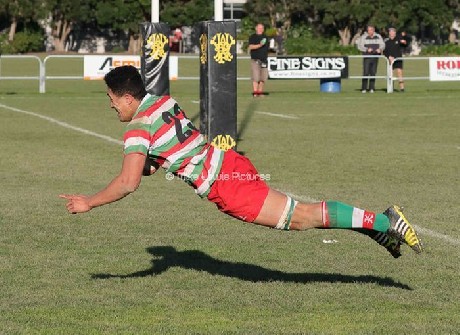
<point x="125" y="80"/>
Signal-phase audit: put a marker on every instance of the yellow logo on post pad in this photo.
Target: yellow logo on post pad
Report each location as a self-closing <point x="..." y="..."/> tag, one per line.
<point x="222" y="44"/>
<point x="203" y="48"/>
<point x="157" y="43"/>
<point x="223" y="142"/>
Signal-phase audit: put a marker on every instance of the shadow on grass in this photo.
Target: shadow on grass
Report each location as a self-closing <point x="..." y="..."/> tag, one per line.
<point x="249" y="113"/>
<point x="166" y="257"/>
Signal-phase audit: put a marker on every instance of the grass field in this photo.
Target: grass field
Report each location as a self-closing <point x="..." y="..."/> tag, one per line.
<point x="162" y="261"/>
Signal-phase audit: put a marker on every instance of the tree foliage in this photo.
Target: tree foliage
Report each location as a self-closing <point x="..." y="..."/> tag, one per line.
<point x="65" y="15"/>
<point x="21" y="12"/>
<point x="342" y="19"/>
<point x="275" y="12"/>
<point x="347" y="19"/>
<point x="125" y="15"/>
<point x="186" y="12"/>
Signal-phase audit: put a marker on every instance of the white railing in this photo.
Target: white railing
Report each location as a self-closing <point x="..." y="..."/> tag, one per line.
<point x="43" y="75"/>
<point x="387" y="68"/>
<point x="46" y="77"/>
<point x="392" y="79"/>
<point x="41" y="69"/>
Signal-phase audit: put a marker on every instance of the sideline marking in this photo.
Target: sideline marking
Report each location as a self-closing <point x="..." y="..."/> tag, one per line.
<point x="319" y="114"/>
<point x="283" y="116"/>
<point x="435" y="234"/>
<point x="64" y="124"/>
<point x="426" y="231"/>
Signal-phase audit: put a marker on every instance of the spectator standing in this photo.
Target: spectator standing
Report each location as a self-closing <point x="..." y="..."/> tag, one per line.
<point x="258" y="47"/>
<point x="394" y="51"/>
<point x="370" y="44"/>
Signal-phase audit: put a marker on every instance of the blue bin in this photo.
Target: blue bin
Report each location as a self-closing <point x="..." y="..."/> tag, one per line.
<point x="330" y="85"/>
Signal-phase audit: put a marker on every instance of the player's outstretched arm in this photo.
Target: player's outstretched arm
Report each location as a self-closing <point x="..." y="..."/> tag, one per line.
<point x="125" y="183"/>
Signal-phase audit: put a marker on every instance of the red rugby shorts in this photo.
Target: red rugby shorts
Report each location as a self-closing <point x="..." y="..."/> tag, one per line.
<point x="239" y="190"/>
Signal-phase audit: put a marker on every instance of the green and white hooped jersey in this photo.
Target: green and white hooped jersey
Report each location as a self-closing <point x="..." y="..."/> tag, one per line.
<point x="161" y="130"/>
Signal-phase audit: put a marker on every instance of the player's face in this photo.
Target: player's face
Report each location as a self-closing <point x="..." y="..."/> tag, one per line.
<point x="392" y="33"/>
<point x="123" y="105"/>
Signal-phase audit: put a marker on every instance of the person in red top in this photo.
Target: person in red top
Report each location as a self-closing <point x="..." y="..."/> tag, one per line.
<point x="159" y="134"/>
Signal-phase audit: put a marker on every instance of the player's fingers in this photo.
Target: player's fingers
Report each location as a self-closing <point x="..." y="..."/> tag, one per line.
<point x="65" y="196"/>
<point x="71" y="210"/>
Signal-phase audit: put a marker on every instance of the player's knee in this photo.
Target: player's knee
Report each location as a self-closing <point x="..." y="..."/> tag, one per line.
<point x="284" y="222"/>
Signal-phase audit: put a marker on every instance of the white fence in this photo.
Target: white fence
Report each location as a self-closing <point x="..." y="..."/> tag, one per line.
<point x="391" y="78"/>
<point x="191" y="72"/>
<point x="41" y="69"/>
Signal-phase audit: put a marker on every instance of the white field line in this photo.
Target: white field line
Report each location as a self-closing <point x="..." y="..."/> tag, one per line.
<point x="426" y="97"/>
<point x="437" y="235"/>
<point x="290" y="116"/>
<point x="425" y="231"/>
<point x="64" y="124"/>
<point x="282" y="116"/>
<point x="364" y="115"/>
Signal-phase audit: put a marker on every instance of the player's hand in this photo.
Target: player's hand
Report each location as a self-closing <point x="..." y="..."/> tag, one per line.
<point x="76" y="203"/>
<point x="263" y="41"/>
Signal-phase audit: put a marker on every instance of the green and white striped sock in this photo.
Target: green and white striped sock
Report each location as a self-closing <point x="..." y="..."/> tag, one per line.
<point x="343" y="216"/>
